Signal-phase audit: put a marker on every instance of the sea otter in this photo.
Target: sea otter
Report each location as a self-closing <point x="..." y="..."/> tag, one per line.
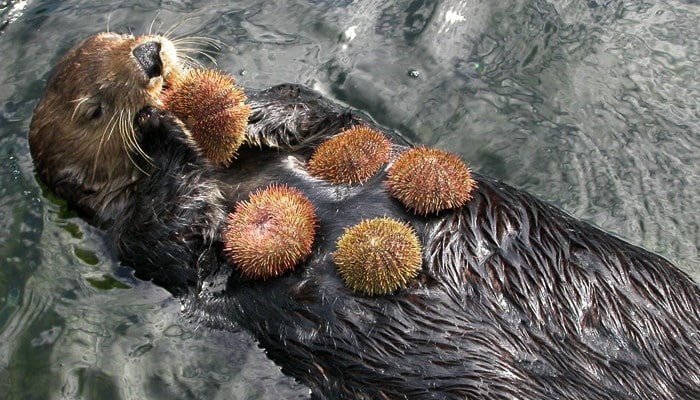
<point x="514" y="298"/>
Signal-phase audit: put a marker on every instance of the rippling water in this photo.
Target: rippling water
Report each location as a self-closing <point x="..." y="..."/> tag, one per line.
<point x="592" y="105"/>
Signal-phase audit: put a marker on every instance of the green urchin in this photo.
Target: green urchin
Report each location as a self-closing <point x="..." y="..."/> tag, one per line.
<point x="213" y="108"/>
<point x="429" y="180"/>
<point x="352" y="157"/>
<point x="270" y="233"/>
<point x="378" y="256"/>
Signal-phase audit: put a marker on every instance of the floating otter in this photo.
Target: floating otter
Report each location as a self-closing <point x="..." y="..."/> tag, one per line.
<point x="514" y="298"/>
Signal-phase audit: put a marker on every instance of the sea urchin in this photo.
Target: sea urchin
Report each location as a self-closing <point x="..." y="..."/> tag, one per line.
<point x="429" y="180"/>
<point x="270" y="233"/>
<point x="351" y="157"/>
<point x="378" y="256"/>
<point x="212" y="107"/>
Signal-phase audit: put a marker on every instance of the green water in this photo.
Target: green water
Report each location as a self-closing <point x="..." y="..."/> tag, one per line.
<point x="592" y="105"/>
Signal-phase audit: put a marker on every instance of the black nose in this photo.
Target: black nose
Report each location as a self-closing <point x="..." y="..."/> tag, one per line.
<point x="148" y="56"/>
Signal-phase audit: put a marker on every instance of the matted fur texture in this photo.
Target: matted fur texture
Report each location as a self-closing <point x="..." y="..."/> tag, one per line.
<point x="516" y="299"/>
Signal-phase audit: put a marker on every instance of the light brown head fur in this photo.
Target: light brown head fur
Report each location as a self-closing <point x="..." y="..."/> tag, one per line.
<point x="82" y="133"/>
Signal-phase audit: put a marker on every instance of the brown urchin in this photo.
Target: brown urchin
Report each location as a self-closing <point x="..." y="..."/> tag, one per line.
<point x="212" y="108"/>
<point x="351" y="157"/>
<point x="429" y="180"/>
<point x="378" y="256"/>
<point x="270" y="233"/>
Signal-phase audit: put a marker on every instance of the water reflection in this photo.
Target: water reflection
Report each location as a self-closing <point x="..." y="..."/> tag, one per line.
<point x="592" y="105"/>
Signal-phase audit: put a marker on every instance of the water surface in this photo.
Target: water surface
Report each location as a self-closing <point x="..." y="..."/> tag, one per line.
<point x="592" y="105"/>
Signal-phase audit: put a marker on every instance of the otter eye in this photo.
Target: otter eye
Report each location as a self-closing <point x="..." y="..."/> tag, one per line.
<point x="96" y="112"/>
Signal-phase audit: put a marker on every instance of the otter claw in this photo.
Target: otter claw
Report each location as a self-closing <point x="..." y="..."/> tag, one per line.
<point x="160" y="132"/>
<point x="151" y="120"/>
<point x="148" y="118"/>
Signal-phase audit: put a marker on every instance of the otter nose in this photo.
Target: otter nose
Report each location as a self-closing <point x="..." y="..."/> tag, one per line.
<point x="148" y="57"/>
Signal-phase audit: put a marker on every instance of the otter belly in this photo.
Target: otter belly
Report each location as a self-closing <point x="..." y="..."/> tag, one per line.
<point x="515" y="298"/>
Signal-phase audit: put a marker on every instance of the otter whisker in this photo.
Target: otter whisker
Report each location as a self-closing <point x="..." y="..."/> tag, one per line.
<point x="189" y="61"/>
<point x="202" y="41"/>
<point x="196" y="50"/>
<point x="153" y="21"/>
<point x="112" y="121"/>
<point x="199" y="45"/>
<point x="133" y="162"/>
<point x="196" y="63"/>
<point x="129" y="133"/>
<point x="104" y="137"/>
<point x="174" y="27"/>
<point x="128" y="136"/>
<point x="125" y="133"/>
<point x="129" y="142"/>
<point x="79" y="102"/>
<point x="150" y="27"/>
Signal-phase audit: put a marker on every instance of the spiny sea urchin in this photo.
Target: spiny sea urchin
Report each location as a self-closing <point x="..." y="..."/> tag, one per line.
<point x="212" y="107"/>
<point x="270" y="233"/>
<point x="378" y="256"/>
<point x="429" y="180"/>
<point x="351" y="157"/>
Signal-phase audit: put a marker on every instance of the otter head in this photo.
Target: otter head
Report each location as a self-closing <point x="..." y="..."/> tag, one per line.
<point x="82" y="134"/>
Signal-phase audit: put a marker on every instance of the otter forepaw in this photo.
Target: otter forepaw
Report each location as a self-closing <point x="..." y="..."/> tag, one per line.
<point x="155" y="128"/>
<point x="148" y="119"/>
<point x="161" y="135"/>
<point x="152" y="121"/>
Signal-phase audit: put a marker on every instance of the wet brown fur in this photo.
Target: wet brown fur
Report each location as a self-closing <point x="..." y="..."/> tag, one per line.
<point x="82" y="137"/>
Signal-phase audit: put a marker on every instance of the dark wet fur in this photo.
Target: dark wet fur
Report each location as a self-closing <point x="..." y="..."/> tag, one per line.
<point x="515" y="299"/>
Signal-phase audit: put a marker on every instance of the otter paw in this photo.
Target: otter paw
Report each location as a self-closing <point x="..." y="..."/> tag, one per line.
<point x="155" y="128"/>
<point x="148" y="119"/>
<point x="161" y="138"/>
<point x="151" y="121"/>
